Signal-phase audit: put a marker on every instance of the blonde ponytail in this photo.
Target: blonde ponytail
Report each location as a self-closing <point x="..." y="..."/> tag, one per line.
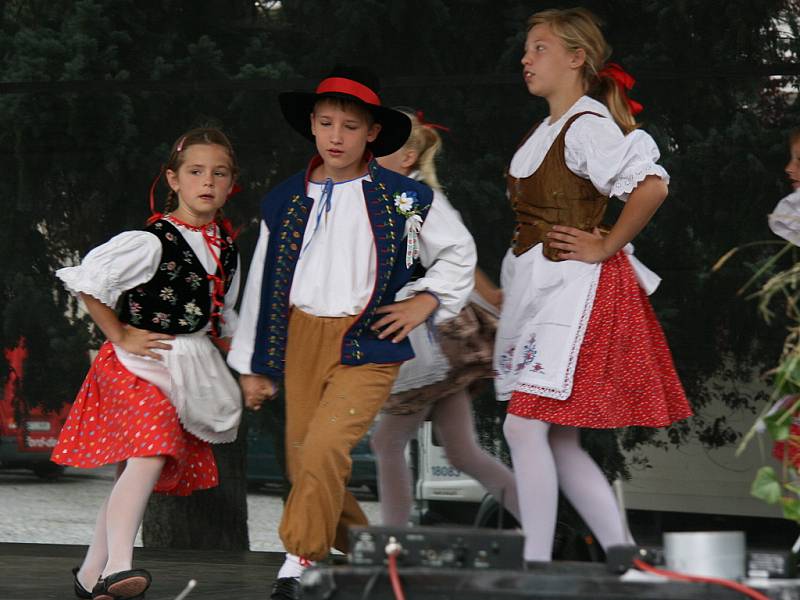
<point x="426" y="142"/>
<point x="608" y="91"/>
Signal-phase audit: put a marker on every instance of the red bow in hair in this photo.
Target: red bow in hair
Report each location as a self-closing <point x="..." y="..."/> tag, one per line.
<point x="234" y="190"/>
<point x="154" y="214"/>
<point x="424" y="123"/>
<point x="625" y="81"/>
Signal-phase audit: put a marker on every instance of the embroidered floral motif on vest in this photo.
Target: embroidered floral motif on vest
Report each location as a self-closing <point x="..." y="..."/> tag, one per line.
<point x="177" y="299"/>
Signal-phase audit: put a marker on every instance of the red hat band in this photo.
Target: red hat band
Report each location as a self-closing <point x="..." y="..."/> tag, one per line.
<point x="343" y="85"/>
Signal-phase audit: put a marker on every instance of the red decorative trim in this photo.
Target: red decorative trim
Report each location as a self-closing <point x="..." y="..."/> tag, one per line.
<point x="342" y="85"/>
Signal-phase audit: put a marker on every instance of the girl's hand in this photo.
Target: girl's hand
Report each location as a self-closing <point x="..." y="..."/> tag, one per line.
<point x="401" y="317"/>
<point x="142" y="342"/>
<point x="257" y="388"/>
<point x="578" y="244"/>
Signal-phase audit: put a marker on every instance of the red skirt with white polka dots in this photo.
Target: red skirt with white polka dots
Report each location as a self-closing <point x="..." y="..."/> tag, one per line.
<point x="117" y="416"/>
<point x="625" y="375"/>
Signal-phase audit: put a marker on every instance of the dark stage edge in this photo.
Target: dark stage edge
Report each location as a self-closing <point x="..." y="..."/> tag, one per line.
<point x="551" y="581"/>
<point x="42" y="572"/>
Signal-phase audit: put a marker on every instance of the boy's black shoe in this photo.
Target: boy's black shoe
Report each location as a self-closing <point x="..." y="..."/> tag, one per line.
<point x="286" y="588"/>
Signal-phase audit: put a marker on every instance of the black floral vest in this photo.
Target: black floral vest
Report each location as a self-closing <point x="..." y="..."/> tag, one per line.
<point x="177" y="299"/>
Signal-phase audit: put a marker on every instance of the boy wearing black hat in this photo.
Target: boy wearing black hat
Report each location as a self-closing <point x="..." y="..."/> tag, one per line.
<point x="329" y="299"/>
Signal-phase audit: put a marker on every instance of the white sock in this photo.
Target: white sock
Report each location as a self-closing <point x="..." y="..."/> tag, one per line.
<point x="293" y="566"/>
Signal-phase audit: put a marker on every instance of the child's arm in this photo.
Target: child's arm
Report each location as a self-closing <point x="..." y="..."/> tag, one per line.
<point x="593" y="247"/>
<point x="136" y="341"/>
<point x="256" y="388"/>
<point x="447" y="251"/>
<point x="487" y="289"/>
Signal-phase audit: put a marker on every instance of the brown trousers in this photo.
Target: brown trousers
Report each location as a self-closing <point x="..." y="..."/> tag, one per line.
<point x="329" y="408"/>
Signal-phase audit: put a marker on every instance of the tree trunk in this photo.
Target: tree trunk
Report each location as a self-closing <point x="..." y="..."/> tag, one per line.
<point x="214" y="519"/>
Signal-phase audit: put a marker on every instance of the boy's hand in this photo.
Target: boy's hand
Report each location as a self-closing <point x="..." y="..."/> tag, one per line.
<point x="256" y="389"/>
<point x="401" y="317"/>
<point x="142" y="342"/>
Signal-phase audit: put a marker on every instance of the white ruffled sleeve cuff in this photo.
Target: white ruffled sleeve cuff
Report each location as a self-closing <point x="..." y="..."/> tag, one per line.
<point x="125" y="261"/>
<point x="615" y="163"/>
<point x="785" y="219"/>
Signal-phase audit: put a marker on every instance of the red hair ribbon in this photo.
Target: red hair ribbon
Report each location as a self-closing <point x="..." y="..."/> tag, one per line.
<point x="625" y="81"/>
<point x="421" y="118"/>
<point x="154" y="214"/>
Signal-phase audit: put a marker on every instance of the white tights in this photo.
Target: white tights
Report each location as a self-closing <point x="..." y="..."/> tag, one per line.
<point x="452" y="420"/>
<point x="119" y="519"/>
<point x="547" y="456"/>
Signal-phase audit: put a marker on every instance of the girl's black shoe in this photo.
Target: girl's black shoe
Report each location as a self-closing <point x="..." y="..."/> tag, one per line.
<point x="80" y="591"/>
<point x="125" y="585"/>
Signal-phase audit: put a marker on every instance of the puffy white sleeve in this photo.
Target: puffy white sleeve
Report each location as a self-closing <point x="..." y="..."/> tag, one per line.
<point x="596" y="149"/>
<point x="123" y="262"/>
<point x="448" y="252"/>
<point x="229" y="316"/>
<point x="785" y="219"/>
<point x="244" y="338"/>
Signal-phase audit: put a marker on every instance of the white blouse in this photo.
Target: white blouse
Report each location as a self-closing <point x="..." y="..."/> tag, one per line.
<point x="595" y="149"/>
<point x="336" y="271"/>
<point x="131" y="259"/>
<point x="785" y="219"/>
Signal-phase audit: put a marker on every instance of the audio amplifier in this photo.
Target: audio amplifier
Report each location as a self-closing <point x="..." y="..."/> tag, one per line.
<point x="448" y="547"/>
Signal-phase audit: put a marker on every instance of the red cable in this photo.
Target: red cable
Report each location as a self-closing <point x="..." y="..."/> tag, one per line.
<point x="739" y="587"/>
<point x="395" y="578"/>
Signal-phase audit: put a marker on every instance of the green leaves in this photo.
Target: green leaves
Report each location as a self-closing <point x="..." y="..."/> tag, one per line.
<point x="766" y="485"/>
<point x="778" y="426"/>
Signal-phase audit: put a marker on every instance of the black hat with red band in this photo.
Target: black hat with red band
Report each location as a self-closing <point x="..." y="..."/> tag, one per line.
<point x="349" y="83"/>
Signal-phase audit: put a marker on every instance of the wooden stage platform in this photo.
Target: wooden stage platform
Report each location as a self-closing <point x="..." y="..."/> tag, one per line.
<point x="42" y="572"/>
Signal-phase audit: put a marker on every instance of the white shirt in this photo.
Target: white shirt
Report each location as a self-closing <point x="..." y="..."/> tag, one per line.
<point x="335" y="274"/>
<point x="595" y="149"/>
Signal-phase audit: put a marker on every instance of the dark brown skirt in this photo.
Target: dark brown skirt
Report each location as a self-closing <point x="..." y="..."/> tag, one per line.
<point x="468" y="343"/>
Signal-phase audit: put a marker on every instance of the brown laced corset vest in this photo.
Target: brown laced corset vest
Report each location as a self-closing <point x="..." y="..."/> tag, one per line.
<point x="553" y="195"/>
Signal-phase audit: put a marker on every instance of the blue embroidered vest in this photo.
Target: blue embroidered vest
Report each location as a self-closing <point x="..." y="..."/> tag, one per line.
<point x="177" y="299"/>
<point x="285" y="211"/>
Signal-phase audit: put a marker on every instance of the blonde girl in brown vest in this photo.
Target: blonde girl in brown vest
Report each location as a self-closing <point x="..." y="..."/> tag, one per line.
<point x="578" y="344"/>
<point x="436" y="381"/>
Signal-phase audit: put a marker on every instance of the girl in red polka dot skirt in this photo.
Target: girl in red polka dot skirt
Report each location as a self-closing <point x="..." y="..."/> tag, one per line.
<point x="158" y="391"/>
<point x="578" y="344"/>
